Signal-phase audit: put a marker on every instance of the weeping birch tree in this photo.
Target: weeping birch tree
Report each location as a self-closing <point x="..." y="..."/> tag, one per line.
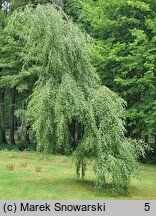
<point x="69" y="110"/>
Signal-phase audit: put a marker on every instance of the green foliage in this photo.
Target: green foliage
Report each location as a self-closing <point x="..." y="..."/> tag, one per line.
<point x="68" y="90"/>
<point x="125" y="55"/>
<point x="21" y="146"/>
<point x="22" y="118"/>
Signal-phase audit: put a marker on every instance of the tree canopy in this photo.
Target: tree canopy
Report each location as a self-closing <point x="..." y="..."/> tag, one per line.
<point x="125" y="37"/>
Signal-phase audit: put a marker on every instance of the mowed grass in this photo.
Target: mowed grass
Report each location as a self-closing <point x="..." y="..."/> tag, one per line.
<point x="34" y="176"/>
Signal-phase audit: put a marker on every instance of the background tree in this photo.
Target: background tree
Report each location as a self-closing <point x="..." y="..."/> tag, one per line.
<point x="125" y="56"/>
<point x="10" y="65"/>
<point x="12" y="77"/>
<point x="3" y="20"/>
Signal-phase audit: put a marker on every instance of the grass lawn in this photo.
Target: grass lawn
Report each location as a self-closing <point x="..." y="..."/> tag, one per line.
<point x="30" y="175"/>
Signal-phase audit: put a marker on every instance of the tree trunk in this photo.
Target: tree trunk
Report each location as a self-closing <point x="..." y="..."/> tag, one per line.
<point x="138" y="136"/>
<point x="2" y="127"/>
<point x="146" y="138"/>
<point x="73" y="134"/>
<point x="11" y="122"/>
<point x="26" y="137"/>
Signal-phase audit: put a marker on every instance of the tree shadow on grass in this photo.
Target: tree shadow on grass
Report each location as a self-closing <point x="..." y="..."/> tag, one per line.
<point x="75" y="189"/>
<point x="106" y="192"/>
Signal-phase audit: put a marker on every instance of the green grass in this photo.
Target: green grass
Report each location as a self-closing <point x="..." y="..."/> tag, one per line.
<point x="55" y="179"/>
